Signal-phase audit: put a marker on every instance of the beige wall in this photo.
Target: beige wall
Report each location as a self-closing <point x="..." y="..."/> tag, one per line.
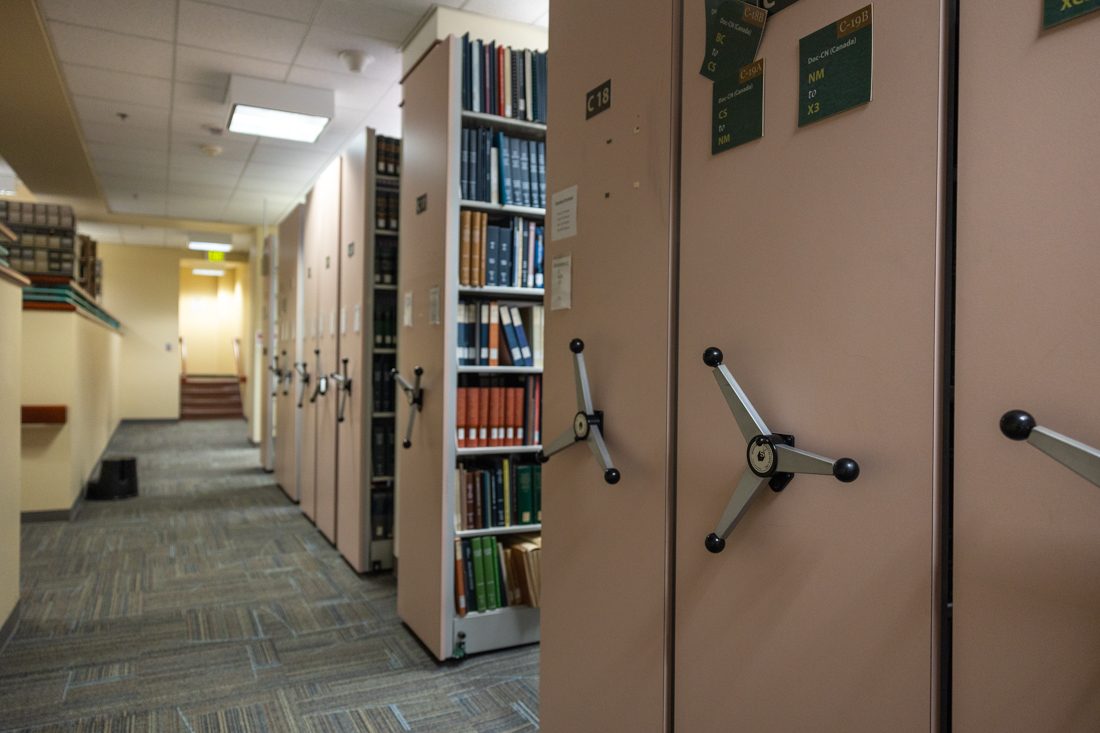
<point x="73" y="360"/>
<point x="211" y="315"/>
<point x="11" y="322"/>
<point x="141" y="289"/>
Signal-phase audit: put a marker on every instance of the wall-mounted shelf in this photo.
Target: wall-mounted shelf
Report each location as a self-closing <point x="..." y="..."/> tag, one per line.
<point x="45" y="414"/>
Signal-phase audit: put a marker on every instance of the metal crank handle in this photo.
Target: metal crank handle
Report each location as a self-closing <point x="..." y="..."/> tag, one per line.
<point x="1082" y="459"/>
<point x="415" y="395"/>
<point x="345" y="390"/>
<point x="588" y="424"/>
<point x="322" y="380"/>
<point x="303" y="371"/>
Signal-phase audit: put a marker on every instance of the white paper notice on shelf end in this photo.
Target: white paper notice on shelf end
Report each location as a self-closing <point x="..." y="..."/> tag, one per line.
<point x="407" y="316"/>
<point x="564" y="214"/>
<point x="433" y="306"/>
<point x="561" y="282"/>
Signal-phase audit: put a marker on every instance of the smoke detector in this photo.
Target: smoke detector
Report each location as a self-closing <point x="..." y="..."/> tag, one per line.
<point x="211" y="150"/>
<point x="356" y="60"/>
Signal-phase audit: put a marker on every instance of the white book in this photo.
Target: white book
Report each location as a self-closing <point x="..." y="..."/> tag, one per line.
<point x="475" y="77"/>
<point x="537" y="316"/>
<point x="527" y="83"/>
<point x="508" y="82"/>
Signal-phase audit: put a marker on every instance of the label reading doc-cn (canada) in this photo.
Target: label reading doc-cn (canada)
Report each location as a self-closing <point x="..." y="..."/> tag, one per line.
<point x="835" y="67"/>
<point x="738" y="111"/>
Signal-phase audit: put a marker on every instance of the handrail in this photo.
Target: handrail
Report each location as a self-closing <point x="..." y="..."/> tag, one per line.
<point x="183" y="359"/>
<point x="237" y="358"/>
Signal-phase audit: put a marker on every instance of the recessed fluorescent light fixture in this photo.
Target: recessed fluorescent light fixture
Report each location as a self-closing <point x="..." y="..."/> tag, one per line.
<point x="210" y="242"/>
<point x="208" y="273"/>
<point x="274" y="109"/>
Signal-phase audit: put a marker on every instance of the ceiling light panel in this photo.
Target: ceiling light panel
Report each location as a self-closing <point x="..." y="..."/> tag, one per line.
<point x="273" y="109"/>
<point x="208" y="273"/>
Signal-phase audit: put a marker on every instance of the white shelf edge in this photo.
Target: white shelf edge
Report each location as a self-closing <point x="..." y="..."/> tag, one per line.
<point x="514" y="529"/>
<point x="502" y="122"/>
<point x="381" y="478"/>
<point x="385" y="350"/>
<point x="496" y="290"/>
<point x="383" y="414"/>
<point x="499" y="370"/>
<point x="395" y="232"/>
<point x="497" y="450"/>
<point x="498" y="611"/>
<point x="379" y="286"/>
<point x="503" y="208"/>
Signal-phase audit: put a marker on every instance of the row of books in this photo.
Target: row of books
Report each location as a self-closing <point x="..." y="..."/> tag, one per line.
<point x="495" y="412"/>
<point x="508" y="254"/>
<point x="385" y="319"/>
<point x="498" y="492"/>
<point x="496" y="572"/>
<point x="386" y="204"/>
<point x="500" y="80"/>
<point x="383" y="440"/>
<point x="383" y="388"/>
<point x="26" y="259"/>
<point x="54" y="216"/>
<point x="389" y="155"/>
<point x="381" y="511"/>
<point x="495" y="334"/>
<point x="385" y="260"/>
<point x="503" y="170"/>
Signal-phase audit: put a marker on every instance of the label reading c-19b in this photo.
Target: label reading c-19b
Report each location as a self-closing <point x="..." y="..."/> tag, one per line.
<point x="598" y="100"/>
<point x="835" y="66"/>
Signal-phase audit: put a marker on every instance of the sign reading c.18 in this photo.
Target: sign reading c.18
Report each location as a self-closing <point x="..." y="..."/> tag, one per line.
<point x="1059" y="11"/>
<point x="598" y="100"/>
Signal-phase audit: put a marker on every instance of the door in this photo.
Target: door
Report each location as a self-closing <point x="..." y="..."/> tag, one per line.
<point x="1027" y="530"/>
<point x="811" y="258"/>
<point x="605" y="619"/>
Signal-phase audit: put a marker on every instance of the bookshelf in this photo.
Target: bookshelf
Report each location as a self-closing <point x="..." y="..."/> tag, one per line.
<point x="433" y="123"/>
<point x="368" y="309"/>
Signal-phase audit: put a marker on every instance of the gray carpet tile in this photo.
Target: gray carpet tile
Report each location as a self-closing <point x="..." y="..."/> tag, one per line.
<point x="210" y="604"/>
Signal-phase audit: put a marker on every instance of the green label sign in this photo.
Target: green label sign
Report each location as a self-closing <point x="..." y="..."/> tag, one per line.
<point x="835" y="68"/>
<point x="734" y="39"/>
<point x="1059" y="11"/>
<point x="738" y="111"/>
<point x="774" y="6"/>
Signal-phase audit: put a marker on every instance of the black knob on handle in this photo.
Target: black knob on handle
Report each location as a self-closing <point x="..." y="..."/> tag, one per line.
<point x="715" y="543"/>
<point x="712" y="357"/>
<point x="612" y="476"/>
<point x="1017" y="424"/>
<point x="541" y="457"/>
<point x="316" y="351"/>
<point x="846" y="470"/>
<point x="576" y="346"/>
<point x="406" y="444"/>
<point x="418" y="371"/>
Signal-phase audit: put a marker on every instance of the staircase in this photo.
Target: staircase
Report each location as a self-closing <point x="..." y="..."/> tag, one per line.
<point x="214" y="397"/>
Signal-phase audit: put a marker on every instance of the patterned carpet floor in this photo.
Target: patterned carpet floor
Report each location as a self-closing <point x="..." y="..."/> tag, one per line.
<point x="210" y="604"/>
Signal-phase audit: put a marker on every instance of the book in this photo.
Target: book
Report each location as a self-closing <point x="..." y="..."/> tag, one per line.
<point x="483" y="330"/>
<point x="473" y="479"/>
<point x="536" y="488"/>
<point x="524" y="494"/>
<point x="494" y="334"/>
<point x="465" y="238"/>
<point x="517" y="173"/>
<point x="473" y="400"/>
<point x="460" y="414"/>
<point x="489" y="558"/>
<point x="492" y="255"/>
<point x="510" y="336"/>
<point x="465" y="169"/>
<point x="484" y="248"/>
<point x="521" y="337"/>
<point x="469" y="504"/>
<point x="483" y="413"/>
<point x="468" y="575"/>
<point x="533" y="172"/>
<point x="475" y="249"/>
<point x="460" y="585"/>
<point x="479" y="574"/>
<point x="494" y="420"/>
<point x="542" y="174"/>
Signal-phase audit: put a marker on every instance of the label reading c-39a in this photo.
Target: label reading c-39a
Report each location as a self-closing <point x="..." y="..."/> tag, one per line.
<point x="835" y="66"/>
<point x="738" y="111"/>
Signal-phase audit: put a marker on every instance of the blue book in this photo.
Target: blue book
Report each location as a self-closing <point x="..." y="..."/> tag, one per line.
<point x="542" y="175"/>
<point x="539" y="252"/>
<point x="492" y="249"/>
<point x="533" y="171"/>
<point x="510" y="337"/>
<point x="483" y="328"/>
<point x="524" y="174"/>
<point x="521" y="338"/>
<point x="465" y="163"/>
<point x="461" y="334"/>
<point x="505" y="169"/>
<point x="504" y="256"/>
<point x="517" y="187"/>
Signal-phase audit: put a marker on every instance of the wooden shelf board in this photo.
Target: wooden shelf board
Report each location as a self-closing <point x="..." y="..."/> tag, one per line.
<point x="498" y="450"/>
<point x="379" y="286"/>
<point x="381" y="478"/>
<point x="385" y="350"/>
<point x="505" y="123"/>
<point x="503" y="208"/>
<point x="45" y="414"/>
<point x="383" y="414"/>
<point x="516" y="529"/>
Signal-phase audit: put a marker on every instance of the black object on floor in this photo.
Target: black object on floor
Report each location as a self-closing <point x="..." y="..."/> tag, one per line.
<point x="117" y="480"/>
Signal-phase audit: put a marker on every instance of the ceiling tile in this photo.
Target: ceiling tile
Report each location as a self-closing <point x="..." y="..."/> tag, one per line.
<point x="233" y="31"/>
<point x="102" y="152"/>
<point x="211" y="68"/>
<point x="223" y="177"/>
<point x="118" y="86"/>
<point x="105" y="50"/>
<point x="201" y="127"/>
<point x="139" y="184"/>
<point x="206" y="99"/>
<point x="145" y="204"/>
<point x="266" y="152"/>
<point x="273" y="189"/>
<point x="299" y="10"/>
<point x="322" y="48"/>
<point x="131" y="169"/>
<point x="543" y="20"/>
<point x="204" y="190"/>
<point x="278" y="172"/>
<point x="148" y="18"/>
<point x="376" y="20"/>
<point x="196" y="207"/>
<point x="106" y="113"/>
<point x="386" y="117"/>
<point x="145" y="236"/>
<point x="521" y="11"/>
<point x="352" y="92"/>
<point x="234" y="148"/>
<point x="122" y="135"/>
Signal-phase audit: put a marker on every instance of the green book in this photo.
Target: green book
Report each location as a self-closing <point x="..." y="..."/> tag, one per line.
<point x="536" y="473"/>
<point x="524" y="494"/>
<point x="492" y="572"/>
<point x="479" y="574"/>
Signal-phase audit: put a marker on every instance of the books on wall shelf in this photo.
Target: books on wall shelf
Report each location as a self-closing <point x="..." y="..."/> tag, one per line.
<point x="503" y="81"/>
<point x="499" y="169"/>
<point x="507" y="253"/>
<point x="497" y="333"/>
<point x="498" y="411"/>
<point x="497" y="572"/>
<point x="389" y="155"/>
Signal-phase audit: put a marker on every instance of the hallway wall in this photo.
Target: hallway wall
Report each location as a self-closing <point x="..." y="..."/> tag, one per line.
<point x="142" y="291"/>
<point x="11" y="325"/>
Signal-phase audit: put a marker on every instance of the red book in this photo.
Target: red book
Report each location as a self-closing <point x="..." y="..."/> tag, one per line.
<point x="520" y="438"/>
<point x="460" y="586"/>
<point x="472" y="399"/>
<point x="494" y="417"/>
<point x="500" y="81"/>
<point x="479" y="507"/>
<point x="483" y="416"/>
<point x="460" y="416"/>
<point x="536" y="421"/>
<point x="509" y="416"/>
<point x="468" y="488"/>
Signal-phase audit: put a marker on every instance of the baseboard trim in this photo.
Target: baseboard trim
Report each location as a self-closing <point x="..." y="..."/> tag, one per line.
<point x="50" y="515"/>
<point x="8" y="629"/>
